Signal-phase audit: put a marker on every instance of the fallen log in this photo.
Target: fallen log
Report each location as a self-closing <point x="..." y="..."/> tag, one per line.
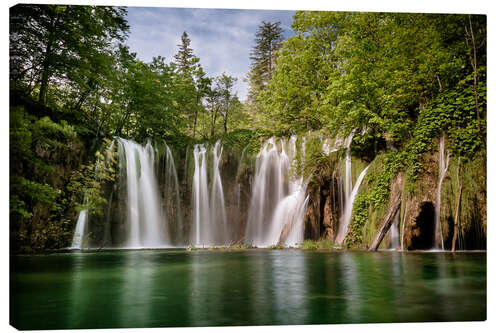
<point x="387" y="223"/>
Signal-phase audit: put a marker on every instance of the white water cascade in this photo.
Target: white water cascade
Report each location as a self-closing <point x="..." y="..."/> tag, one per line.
<point x="349" y="192"/>
<point x="395" y="242"/>
<point x="144" y="216"/>
<point x="278" y="202"/>
<point x="443" y="167"/>
<point x="80" y="230"/>
<point x="348" y="165"/>
<point x="218" y="217"/>
<point x="171" y="200"/>
<point x="346" y="216"/>
<point x="209" y="212"/>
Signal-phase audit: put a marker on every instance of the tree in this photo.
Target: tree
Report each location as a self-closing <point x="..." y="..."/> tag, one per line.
<point x="222" y="101"/>
<point x="196" y="83"/>
<point x="224" y="86"/>
<point x="185" y="58"/>
<point x="53" y="44"/>
<point x="268" y="41"/>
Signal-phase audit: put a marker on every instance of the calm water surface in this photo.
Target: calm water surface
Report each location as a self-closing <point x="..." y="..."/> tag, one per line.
<point x="153" y="288"/>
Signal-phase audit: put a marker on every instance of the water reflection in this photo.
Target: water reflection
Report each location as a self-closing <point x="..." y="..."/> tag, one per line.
<point x="258" y="287"/>
<point x="289" y="284"/>
<point x="137" y="279"/>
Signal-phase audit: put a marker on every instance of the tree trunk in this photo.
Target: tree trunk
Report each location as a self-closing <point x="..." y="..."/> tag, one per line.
<point x="387" y="223"/>
<point x="195" y="119"/>
<point x="46" y="66"/>
<point x="196" y="115"/>
<point x="473" y="62"/>
<point x="214" y="120"/>
<point x="44" y="82"/>
<point x="455" y="227"/>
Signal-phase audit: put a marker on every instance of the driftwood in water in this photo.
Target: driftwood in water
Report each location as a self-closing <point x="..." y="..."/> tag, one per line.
<point x="387" y="223"/>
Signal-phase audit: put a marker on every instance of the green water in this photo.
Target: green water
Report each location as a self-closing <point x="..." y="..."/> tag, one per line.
<point x="154" y="288"/>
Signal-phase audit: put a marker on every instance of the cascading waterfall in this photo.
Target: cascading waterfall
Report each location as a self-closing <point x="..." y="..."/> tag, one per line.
<point x="395" y="232"/>
<point x="348" y="165"/>
<point x="217" y="207"/>
<point x="349" y="192"/>
<point x="171" y="200"/>
<point x="346" y="216"/>
<point x="209" y="212"/>
<point x="201" y="207"/>
<point x="150" y="195"/>
<point x="287" y="224"/>
<point x="80" y="230"/>
<point x="275" y="215"/>
<point x="443" y="167"/>
<point x="144" y="216"/>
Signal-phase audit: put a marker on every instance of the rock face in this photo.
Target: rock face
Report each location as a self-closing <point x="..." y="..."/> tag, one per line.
<point x="324" y="209"/>
<point x="419" y="224"/>
<point x="328" y="219"/>
<point x="418" y="209"/>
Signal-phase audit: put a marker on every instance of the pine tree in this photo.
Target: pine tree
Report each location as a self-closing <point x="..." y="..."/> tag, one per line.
<point x="185" y="58"/>
<point x="268" y="41"/>
<point x="196" y="81"/>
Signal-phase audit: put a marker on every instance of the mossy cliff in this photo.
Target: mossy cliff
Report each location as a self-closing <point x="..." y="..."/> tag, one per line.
<point x="416" y="216"/>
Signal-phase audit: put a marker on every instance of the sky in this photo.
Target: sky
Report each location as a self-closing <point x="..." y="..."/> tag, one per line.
<point x="221" y="38"/>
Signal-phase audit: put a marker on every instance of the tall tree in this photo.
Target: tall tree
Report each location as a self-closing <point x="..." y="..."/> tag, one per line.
<point x="221" y="100"/>
<point x="268" y="41"/>
<point x="62" y="44"/>
<point x="184" y="58"/>
<point x="196" y="84"/>
<point x="225" y="84"/>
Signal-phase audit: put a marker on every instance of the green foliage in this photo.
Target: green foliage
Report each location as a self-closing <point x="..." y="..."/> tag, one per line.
<point x="316" y="245"/>
<point x="268" y="39"/>
<point x="360" y="217"/>
<point x="374" y="195"/>
<point x="89" y="182"/>
<point x="403" y="78"/>
<point x="39" y="149"/>
<point x="240" y="139"/>
<point x="278" y="246"/>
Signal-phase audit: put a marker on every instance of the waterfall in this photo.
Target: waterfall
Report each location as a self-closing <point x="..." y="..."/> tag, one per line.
<point x="266" y="191"/>
<point x="209" y="211"/>
<point x="200" y="196"/>
<point x="443" y="167"/>
<point x="172" y="210"/>
<point x="144" y="217"/>
<point x="217" y="206"/>
<point x="80" y="230"/>
<point x="346" y="216"/>
<point x="395" y="232"/>
<point x="278" y="202"/>
<point x="149" y="197"/>
<point x="348" y="165"/>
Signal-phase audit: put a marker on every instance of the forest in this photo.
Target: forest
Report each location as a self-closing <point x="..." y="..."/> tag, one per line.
<point x="403" y="88"/>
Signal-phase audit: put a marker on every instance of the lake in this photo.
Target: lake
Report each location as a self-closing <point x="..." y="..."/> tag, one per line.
<point x="162" y="288"/>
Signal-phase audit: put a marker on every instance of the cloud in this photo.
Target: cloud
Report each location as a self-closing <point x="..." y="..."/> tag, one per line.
<point x="221" y="38"/>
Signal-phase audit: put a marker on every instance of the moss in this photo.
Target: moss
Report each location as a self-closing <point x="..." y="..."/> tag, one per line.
<point x="317" y="245"/>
